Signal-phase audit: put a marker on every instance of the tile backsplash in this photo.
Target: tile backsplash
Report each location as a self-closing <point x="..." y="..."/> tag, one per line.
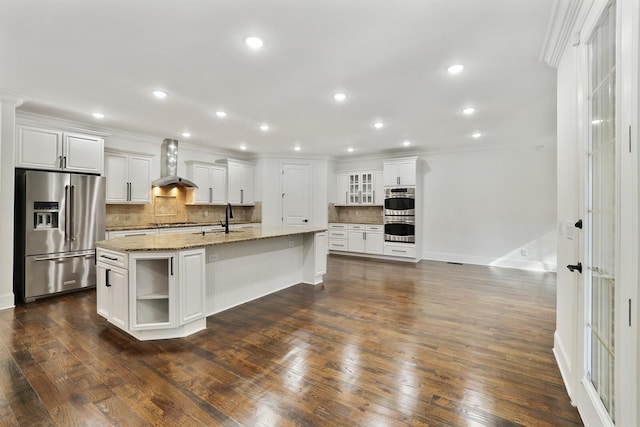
<point x="355" y="214"/>
<point x="168" y="206"/>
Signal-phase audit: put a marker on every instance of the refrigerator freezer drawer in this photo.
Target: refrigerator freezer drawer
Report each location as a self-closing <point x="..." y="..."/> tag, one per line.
<point x="54" y="273"/>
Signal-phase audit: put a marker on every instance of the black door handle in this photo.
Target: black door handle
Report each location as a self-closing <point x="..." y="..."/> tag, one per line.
<point x="575" y="267"/>
<point x="578" y="224"/>
<point x="106" y="279"/>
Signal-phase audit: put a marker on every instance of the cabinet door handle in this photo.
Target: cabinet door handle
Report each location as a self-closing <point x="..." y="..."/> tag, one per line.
<point x="64" y="162"/>
<point x="60" y="161"/>
<point x="364" y="235"/>
<point x="241" y="196"/>
<point x="109" y="257"/>
<point x="398" y="179"/>
<point x="171" y="263"/>
<point x="210" y="195"/>
<point x="374" y="197"/>
<point x="106" y="277"/>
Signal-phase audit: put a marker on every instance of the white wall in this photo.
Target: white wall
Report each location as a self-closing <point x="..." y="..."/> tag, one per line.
<point x="8" y="105"/>
<point x="484" y="207"/>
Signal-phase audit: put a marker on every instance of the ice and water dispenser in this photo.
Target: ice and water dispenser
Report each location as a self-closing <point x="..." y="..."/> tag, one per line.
<point x="45" y="215"/>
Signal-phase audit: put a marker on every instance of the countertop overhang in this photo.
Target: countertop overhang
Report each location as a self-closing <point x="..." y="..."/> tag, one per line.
<point x="173" y="242"/>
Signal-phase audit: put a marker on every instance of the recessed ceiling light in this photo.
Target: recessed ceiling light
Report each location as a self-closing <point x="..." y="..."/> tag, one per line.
<point x="476" y="135"/>
<point x="264" y="127"/>
<point x="455" y="69"/>
<point x="160" y="94"/>
<point x="221" y="114"/>
<point x="297" y="148"/>
<point x="469" y="110"/>
<point x="254" y="42"/>
<point x="378" y="125"/>
<point x="98" y="115"/>
<point x="350" y="149"/>
<point x="186" y="134"/>
<point x="339" y="96"/>
<point x="406" y="143"/>
<point x="243" y="147"/>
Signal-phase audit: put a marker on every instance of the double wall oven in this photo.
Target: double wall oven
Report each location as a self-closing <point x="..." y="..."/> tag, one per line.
<point x="399" y="214"/>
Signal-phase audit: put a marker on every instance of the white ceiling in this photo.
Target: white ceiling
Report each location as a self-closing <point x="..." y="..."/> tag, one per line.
<point x="72" y="58"/>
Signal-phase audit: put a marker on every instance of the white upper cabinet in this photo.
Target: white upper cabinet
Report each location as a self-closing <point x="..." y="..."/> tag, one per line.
<point x="400" y="172"/>
<point x="128" y="178"/>
<point x="378" y="188"/>
<point x="51" y="149"/>
<point x="359" y="188"/>
<point x="342" y="189"/>
<point x="239" y="182"/>
<point x="211" y="181"/>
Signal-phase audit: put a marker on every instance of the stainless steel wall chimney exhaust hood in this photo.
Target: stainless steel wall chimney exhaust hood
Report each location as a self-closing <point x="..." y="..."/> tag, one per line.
<point x="169" y="167"/>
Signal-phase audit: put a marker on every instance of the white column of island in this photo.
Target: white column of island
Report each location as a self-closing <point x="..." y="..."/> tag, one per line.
<point x="164" y="286"/>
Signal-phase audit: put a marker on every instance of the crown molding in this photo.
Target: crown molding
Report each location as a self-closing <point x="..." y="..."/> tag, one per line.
<point x="564" y="14"/>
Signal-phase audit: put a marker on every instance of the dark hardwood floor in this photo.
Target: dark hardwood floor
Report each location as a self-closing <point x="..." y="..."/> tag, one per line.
<point x="379" y="344"/>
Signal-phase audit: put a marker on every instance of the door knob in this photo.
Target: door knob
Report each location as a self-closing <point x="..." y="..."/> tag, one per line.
<point x="575" y="267"/>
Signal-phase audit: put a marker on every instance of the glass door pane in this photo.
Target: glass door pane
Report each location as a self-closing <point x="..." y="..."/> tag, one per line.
<point x="601" y="278"/>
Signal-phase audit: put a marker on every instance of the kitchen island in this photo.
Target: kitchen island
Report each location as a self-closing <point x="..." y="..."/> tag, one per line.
<point x="164" y="286"/>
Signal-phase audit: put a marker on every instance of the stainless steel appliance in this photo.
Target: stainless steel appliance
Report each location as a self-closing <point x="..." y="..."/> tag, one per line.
<point x="58" y="218"/>
<point x="400" y="201"/>
<point x="399" y="214"/>
<point x="169" y="167"/>
<point x="400" y="229"/>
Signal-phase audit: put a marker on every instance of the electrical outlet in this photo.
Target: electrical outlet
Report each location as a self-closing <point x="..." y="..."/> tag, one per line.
<point x="213" y="257"/>
<point x="524" y="252"/>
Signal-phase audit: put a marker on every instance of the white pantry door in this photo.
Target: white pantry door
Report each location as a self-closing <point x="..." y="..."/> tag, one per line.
<point x="296" y="194"/>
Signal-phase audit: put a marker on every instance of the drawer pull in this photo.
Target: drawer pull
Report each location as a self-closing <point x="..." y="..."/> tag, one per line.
<point x="109" y="257"/>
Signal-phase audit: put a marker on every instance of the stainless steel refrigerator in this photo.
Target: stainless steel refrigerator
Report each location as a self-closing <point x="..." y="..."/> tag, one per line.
<point x="58" y="218"/>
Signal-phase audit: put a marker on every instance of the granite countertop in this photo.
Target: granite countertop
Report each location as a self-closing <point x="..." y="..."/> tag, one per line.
<point x="172" y="242"/>
<point x="169" y="225"/>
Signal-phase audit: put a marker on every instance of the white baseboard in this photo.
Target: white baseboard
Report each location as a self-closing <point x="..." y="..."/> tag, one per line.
<point x="490" y="261"/>
<point x="7" y="301"/>
<point x="564" y="364"/>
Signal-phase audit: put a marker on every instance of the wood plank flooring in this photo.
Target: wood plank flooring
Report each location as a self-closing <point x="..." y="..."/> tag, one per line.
<point x="379" y="344"/>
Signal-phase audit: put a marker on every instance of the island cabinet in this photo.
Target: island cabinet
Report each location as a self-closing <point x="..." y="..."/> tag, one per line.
<point x="152" y="295"/>
<point x="112" y="287"/>
<point x="166" y="284"/>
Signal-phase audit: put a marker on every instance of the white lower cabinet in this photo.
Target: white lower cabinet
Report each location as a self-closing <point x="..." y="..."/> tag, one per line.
<point x="338" y="237"/>
<point x="153" y="295"/>
<point x="366" y="239"/>
<point x="112" y="289"/>
<point x="400" y="249"/>
<point x="152" y="290"/>
<point x="131" y="233"/>
<point x="192" y="285"/>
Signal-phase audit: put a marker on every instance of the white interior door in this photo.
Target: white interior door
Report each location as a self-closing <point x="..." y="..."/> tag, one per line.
<point x="296" y="194"/>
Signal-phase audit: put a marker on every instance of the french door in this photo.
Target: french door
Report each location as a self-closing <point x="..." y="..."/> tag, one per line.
<point x="601" y="283"/>
<point x="607" y="350"/>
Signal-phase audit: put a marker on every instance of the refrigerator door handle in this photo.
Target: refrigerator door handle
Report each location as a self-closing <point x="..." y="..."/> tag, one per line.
<point x="60" y="257"/>
<point x="67" y="216"/>
<point x="72" y="213"/>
